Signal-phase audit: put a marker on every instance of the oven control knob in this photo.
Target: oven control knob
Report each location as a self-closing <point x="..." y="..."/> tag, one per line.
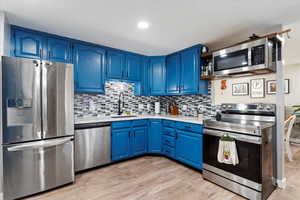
<point x="268" y="108"/>
<point x="229" y="106"/>
<point x="260" y="107"/>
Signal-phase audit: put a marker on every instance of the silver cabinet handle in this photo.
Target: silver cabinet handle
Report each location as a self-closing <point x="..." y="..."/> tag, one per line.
<point x="37" y="145"/>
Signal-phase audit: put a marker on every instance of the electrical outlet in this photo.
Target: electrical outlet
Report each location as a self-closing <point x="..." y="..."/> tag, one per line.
<point x="184" y="107"/>
<point x="92" y="105"/>
<point x="149" y="107"/>
<point x="141" y="106"/>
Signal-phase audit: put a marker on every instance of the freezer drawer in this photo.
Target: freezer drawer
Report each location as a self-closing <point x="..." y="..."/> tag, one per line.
<point x="34" y="167"/>
<point x="92" y="147"/>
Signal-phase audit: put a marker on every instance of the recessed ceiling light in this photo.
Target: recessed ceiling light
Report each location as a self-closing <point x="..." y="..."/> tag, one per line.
<point x="143" y="25"/>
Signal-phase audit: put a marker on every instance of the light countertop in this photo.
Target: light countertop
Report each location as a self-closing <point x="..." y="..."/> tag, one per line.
<point x="180" y="118"/>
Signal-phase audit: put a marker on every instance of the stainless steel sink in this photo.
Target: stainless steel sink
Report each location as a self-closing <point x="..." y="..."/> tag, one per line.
<point x="124" y="116"/>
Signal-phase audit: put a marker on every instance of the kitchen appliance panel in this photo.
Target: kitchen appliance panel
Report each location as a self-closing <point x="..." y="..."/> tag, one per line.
<point x="92" y="147"/>
<point x="33" y="167"/>
<point x="57" y="98"/>
<point x="248" y="153"/>
<point x="253" y="56"/>
<point x="21" y="107"/>
<point x="252" y="126"/>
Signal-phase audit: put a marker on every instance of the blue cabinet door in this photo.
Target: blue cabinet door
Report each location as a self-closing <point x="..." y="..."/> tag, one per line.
<point x="154" y="136"/>
<point x="142" y="87"/>
<point x="157" y="75"/>
<point x="189" y="148"/>
<point x="89" y="68"/>
<point x="28" y="44"/>
<point x="59" y="50"/>
<point x="190" y="71"/>
<point x="139" y="141"/>
<point x="133" y="68"/>
<point x="120" y="144"/>
<point x="115" y="65"/>
<point x="173" y="74"/>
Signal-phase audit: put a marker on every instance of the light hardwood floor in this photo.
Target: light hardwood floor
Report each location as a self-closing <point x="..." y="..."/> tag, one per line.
<point x="158" y="178"/>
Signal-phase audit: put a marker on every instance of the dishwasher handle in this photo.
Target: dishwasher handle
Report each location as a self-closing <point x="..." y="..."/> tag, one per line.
<point x="92" y="125"/>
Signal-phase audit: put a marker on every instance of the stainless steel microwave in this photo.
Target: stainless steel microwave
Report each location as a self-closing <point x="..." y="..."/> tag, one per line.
<point x="255" y="57"/>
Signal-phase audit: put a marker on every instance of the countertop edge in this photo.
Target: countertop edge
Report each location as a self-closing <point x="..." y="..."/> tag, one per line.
<point x="108" y="119"/>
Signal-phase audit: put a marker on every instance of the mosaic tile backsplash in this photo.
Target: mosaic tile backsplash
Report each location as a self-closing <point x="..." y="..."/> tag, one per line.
<point x="87" y="105"/>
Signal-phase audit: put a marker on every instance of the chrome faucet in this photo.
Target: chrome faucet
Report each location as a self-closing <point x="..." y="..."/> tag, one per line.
<point x="121" y="103"/>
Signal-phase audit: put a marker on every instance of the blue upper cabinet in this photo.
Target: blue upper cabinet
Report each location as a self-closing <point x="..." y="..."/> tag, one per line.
<point x="154" y="136"/>
<point x="115" y="65"/>
<point x="190" y="74"/>
<point x="89" y="68"/>
<point x="133" y="67"/>
<point x="59" y="50"/>
<point x="142" y="87"/>
<point x="27" y="44"/>
<point x="123" y="66"/>
<point x="173" y="74"/>
<point x="157" y="72"/>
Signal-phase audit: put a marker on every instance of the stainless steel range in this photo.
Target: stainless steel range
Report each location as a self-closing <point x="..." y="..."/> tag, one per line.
<point x="252" y="126"/>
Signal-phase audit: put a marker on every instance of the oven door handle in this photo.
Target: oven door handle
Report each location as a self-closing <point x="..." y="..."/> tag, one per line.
<point x="238" y="137"/>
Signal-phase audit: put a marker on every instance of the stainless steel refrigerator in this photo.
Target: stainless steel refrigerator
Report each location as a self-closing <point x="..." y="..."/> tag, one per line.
<point x="37" y="126"/>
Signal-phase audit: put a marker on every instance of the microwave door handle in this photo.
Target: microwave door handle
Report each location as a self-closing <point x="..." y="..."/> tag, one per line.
<point x="249" y="56"/>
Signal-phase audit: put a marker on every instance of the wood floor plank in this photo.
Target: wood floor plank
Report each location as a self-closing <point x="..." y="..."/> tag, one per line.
<point x="158" y="178"/>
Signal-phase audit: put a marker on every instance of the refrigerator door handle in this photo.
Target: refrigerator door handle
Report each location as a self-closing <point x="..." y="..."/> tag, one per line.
<point x="44" y="99"/>
<point x="37" y="145"/>
<point x="36" y="101"/>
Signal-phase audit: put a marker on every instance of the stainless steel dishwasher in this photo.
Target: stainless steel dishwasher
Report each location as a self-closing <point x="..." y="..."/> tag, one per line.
<point x="92" y="145"/>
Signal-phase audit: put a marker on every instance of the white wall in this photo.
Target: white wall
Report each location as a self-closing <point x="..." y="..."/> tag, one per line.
<point x="225" y="96"/>
<point x="4" y="35"/>
<point x="291" y="71"/>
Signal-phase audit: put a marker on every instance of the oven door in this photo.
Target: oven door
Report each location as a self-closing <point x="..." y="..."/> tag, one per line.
<point x="248" y="171"/>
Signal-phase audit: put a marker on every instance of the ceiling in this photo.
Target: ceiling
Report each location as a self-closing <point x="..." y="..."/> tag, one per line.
<point x="174" y="24"/>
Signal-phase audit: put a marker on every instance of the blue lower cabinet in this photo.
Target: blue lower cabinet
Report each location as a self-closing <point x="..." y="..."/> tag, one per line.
<point x="169" y="151"/>
<point x="189" y="147"/>
<point x="139" y="141"/>
<point x="154" y="136"/>
<point x="129" y="138"/>
<point x="121" y="144"/>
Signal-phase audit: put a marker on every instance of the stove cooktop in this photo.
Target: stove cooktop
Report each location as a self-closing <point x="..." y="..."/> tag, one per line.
<point x="238" y="126"/>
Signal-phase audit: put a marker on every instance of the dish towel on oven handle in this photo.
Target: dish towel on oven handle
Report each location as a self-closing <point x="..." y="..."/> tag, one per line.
<point x="227" y="152"/>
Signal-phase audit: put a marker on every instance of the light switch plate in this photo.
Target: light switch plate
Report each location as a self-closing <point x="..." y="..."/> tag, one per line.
<point x="184" y="107"/>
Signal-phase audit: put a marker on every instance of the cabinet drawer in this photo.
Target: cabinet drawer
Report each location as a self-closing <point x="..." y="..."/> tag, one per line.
<point x="169" y="123"/>
<point x="169" y="151"/>
<point x="168" y="140"/>
<point x="169" y="131"/>
<point x="124" y="124"/>
<point x="189" y="127"/>
<point x="139" y="122"/>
